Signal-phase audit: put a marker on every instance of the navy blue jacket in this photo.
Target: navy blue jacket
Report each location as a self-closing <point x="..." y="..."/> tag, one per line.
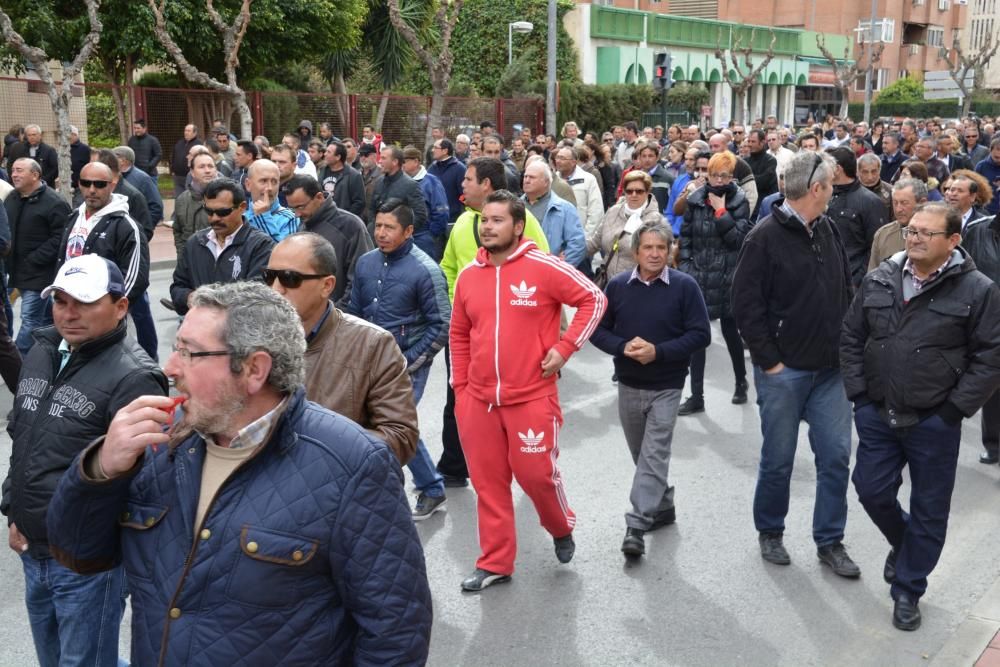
<point x="451" y="172"/>
<point x="307" y="555"/>
<point x="673" y="317"/>
<point x="990" y="170"/>
<point x="405" y="293"/>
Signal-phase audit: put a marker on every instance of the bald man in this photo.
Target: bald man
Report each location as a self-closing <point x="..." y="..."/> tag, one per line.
<point x="102" y="226"/>
<point x="266" y="213"/>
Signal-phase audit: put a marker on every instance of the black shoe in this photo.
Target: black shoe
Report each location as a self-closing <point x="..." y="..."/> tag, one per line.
<point x="481" y="579"/>
<point x="740" y="395"/>
<point x="906" y="614"/>
<point x="565" y="548"/>
<point x="692" y="405"/>
<point x="634" y="545"/>
<point x="772" y="549"/>
<point x="989" y="458"/>
<point x="168" y="304"/>
<point x="889" y="570"/>
<point x="664" y="518"/>
<point x="452" y="482"/>
<point x="835" y="555"/>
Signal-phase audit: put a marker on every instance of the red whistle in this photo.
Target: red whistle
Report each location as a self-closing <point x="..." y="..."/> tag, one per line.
<point x="177" y="400"/>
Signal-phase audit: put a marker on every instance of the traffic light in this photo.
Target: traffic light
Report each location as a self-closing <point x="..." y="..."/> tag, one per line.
<point x="661" y="72"/>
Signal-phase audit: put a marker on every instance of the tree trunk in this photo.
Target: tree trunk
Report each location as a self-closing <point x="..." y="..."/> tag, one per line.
<point x="246" y="118"/>
<point x="65" y="161"/>
<point x="119" y="102"/>
<point x="966" y="105"/>
<point x="440" y="89"/>
<point x="845" y="100"/>
<point x="382" y="104"/>
<point x="342" y="103"/>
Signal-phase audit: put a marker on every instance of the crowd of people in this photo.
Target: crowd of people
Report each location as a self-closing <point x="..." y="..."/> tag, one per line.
<point x="318" y="278"/>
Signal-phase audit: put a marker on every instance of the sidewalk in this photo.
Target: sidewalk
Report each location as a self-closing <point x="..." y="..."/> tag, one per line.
<point x="976" y="641"/>
<point x="161" y="248"/>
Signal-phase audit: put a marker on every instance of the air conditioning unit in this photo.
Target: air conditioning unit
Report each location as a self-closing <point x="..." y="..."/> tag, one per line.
<point x="961" y="2"/>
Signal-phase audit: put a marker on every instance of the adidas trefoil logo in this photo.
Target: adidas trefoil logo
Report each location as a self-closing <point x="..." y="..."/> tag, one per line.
<point x="523" y="294"/>
<point x="531" y="440"/>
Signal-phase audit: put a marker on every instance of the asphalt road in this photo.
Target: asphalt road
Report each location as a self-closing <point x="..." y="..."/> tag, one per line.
<point x="701" y="595"/>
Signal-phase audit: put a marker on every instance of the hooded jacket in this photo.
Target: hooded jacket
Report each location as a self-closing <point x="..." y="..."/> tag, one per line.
<point x="506" y="319"/>
<point x="939" y="352"/>
<point x="115" y="236"/>
<point x="710" y="245"/>
<point x="57" y="413"/>
<point x="36" y="228"/>
<point x="450" y="172"/>
<point x="438" y="212"/>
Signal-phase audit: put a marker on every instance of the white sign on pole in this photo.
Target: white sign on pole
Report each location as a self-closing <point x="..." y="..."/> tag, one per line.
<point x="940" y="86"/>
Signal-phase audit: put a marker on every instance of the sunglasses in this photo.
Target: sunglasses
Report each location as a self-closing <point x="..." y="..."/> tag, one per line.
<point x="635" y="191"/>
<point x="290" y="279"/>
<point x="219" y="212"/>
<point x="812" y="173"/>
<point x="100" y="185"/>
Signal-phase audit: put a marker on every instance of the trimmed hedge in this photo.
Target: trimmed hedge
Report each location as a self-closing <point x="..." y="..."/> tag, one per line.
<point x="926" y="109"/>
<point x="598" y="108"/>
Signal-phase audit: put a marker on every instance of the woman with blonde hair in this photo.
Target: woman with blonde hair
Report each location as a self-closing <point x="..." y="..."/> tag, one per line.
<point x="716" y="221"/>
<point x="613" y="236"/>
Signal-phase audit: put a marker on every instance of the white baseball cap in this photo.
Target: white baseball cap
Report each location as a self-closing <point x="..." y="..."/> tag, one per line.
<point x="87" y="278"/>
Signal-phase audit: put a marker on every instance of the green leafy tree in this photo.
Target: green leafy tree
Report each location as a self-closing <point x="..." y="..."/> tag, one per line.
<point x="904" y="89"/>
<point x="480" y="42"/>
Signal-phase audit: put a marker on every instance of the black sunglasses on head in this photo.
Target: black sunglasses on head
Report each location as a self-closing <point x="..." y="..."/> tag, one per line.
<point x="290" y="279"/>
<point x="87" y="183"/>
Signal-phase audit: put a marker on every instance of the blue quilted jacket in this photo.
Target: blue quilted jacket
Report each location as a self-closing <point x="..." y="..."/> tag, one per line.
<point x="306" y="556"/>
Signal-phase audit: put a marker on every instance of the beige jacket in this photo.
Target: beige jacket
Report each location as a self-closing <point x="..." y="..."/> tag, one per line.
<point x="888" y="240"/>
<point x="611" y="229"/>
<point x="356" y="369"/>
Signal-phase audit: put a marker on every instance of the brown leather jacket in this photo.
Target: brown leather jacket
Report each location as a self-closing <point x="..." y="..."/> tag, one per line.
<point x="356" y="369"/>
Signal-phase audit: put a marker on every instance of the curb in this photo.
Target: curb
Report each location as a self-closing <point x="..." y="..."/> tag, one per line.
<point x="161" y="264"/>
<point x="972" y="637"/>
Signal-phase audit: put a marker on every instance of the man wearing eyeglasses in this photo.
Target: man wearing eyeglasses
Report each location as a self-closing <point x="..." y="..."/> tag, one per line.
<point x="920" y="351"/>
<point x="262" y="524"/>
<point x="74" y="379"/>
<point x="102" y="226"/>
<point x="791" y="289"/>
<point x="226" y="252"/>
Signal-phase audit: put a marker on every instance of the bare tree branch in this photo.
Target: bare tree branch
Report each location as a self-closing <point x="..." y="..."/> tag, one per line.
<point x="438" y="64"/>
<point x="746" y="72"/>
<point x="60" y="95"/>
<point x="232" y="40"/>
<point x="846" y="72"/>
<point x="975" y="62"/>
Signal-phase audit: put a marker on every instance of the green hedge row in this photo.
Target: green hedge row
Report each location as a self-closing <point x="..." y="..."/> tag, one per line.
<point x="597" y="108"/>
<point x="927" y="109"/>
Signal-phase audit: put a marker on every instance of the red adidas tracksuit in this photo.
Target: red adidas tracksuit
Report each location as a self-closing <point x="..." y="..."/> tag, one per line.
<point x="503" y="323"/>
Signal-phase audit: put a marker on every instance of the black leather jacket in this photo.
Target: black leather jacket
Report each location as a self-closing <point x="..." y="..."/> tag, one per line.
<point x="938" y="353"/>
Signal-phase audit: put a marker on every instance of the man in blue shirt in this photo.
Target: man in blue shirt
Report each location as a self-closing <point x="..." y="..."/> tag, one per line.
<point x="266" y="213"/>
<point x="656" y="319"/>
<point x="560" y="220"/>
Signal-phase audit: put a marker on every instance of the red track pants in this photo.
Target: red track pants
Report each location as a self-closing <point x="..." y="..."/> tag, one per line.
<point x="512" y="440"/>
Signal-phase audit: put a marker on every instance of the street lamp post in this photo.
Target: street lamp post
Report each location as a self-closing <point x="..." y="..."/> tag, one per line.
<point x="516" y="26"/>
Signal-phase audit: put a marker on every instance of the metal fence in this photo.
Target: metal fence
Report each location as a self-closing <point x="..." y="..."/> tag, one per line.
<point x="399" y="119"/>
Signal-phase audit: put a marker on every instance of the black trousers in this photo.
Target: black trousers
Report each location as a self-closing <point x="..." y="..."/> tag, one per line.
<point x="734" y="344"/>
<point x="10" y="358"/>
<point x="991" y="424"/>
<point x="452" y="461"/>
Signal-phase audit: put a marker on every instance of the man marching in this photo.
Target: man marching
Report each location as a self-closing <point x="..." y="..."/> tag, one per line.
<point x="506" y="353"/>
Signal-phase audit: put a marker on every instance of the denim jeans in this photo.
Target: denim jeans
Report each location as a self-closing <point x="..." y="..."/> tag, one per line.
<point x="74" y="618"/>
<point x="930" y="450"/>
<point x="785" y="399"/>
<point x="36" y="313"/>
<point x="145" y="327"/>
<point x="425" y="476"/>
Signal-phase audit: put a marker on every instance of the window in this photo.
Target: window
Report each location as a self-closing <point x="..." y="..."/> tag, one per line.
<point x="879" y="80"/>
<point x="914" y="49"/>
<point x="943" y="5"/>
<point x="935" y="37"/>
<point x="917" y="3"/>
<point x="885" y="30"/>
